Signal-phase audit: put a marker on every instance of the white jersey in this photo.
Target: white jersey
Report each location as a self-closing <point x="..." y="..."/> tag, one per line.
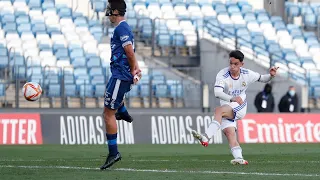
<point x="236" y="87"/>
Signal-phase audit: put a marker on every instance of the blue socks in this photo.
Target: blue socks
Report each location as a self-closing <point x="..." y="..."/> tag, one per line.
<point x="112" y="144"/>
<point x="112" y="138"/>
<point x="122" y="108"/>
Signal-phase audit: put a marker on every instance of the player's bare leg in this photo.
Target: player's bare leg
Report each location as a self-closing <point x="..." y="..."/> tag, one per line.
<point x="220" y="112"/>
<point x="111" y="129"/>
<point x="230" y="133"/>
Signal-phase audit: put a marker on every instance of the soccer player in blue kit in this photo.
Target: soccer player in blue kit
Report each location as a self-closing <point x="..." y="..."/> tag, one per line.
<point x="125" y="73"/>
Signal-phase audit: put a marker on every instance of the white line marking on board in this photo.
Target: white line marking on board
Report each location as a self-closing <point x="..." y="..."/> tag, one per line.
<point x="150" y="160"/>
<point x="162" y="171"/>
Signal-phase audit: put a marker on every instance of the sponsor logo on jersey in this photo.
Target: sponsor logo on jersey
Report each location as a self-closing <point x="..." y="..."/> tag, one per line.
<point x="244" y="84"/>
<point x="124" y="38"/>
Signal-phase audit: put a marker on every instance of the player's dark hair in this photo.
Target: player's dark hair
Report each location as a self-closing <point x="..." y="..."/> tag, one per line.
<point x="119" y="5"/>
<point x="237" y="55"/>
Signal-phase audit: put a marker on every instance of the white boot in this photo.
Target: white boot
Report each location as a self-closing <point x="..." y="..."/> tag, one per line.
<point x="239" y="161"/>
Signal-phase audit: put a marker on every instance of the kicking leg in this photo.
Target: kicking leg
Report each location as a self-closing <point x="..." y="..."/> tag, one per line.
<point x="230" y="133"/>
<point x="123" y="114"/>
<point x="224" y="111"/>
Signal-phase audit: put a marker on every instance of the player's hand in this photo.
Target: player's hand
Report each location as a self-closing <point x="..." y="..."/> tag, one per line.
<point x="136" y="75"/>
<point x="273" y="71"/>
<point x="237" y="99"/>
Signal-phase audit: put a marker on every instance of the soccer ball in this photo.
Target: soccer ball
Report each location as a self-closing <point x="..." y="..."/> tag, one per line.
<point x="31" y="91"/>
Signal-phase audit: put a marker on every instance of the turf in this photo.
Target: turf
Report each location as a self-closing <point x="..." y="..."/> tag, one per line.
<point x="266" y="161"/>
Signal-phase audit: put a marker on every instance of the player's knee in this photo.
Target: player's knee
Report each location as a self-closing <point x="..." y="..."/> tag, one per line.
<point x="230" y="133"/>
<point x="107" y="114"/>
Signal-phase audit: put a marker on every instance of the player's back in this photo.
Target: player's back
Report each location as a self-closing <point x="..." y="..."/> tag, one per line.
<point x="121" y="37"/>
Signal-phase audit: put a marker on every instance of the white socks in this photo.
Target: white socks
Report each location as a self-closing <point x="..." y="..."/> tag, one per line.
<point x="237" y="152"/>
<point x="214" y="126"/>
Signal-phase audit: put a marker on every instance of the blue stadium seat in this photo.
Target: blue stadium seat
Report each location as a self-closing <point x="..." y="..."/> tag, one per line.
<point x="54" y="90"/>
<point x="249" y="17"/>
<point x="3" y="61"/>
<point x="178" y="40"/>
<point x="62" y="53"/>
<point x="164" y="40"/>
<point x="99" y="5"/>
<point x="144" y="90"/>
<point x="99" y="90"/>
<point x="2" y="90"/>
<point x="245" y="8"/>
<point x="132" y="22"/>
<point x="220" y="8"/>
<point x="293" y="58"/>
<point x="34" y="3"/>
<point x="22" y="20"/>
<point x="86" y="90"/>
<point x="274" y="48"/>
<point x="98" y="79"/>
<point x="80" y="71"/>
<point x="82" y="79"/>
<point x="96" y="71"/>
<point x="310" y="20"/>
<point x="37" y="79"/>
<point x="94" y="62"/>
<point x="65" y="12"/>
<point x="306" y="9"/>
<point x="51" y="79"/>
<point x="69" y="79"/>
<point x="161" y="90"/>
<point x="145" y="80"/>
<point x="3" y="52"/>
<point x="17" y="61"/>
<point x="292" y="10"/>
<point x="70" y="90"/>
<point x="135" y="91"/>
<point x="176" y="91"/>
<point x="48" y="4"/>
<point x="276" y="19"/>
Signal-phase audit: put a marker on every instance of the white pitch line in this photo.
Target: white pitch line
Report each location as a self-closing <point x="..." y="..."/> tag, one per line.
<point x="150" y="160"/>
<point x="162" y="171"/>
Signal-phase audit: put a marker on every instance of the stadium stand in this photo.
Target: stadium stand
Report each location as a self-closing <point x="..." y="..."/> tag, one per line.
<point x="62" y="50"/>
<point x="254" y="31"/>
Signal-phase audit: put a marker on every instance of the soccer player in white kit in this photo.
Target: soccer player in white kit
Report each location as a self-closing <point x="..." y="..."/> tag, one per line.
<point x="230" y="87"/>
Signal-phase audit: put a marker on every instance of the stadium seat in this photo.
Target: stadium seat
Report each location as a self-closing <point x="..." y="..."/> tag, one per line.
<point x="144" y="90"/>
<point x="98" y="79"/>
<point x="70" y="90"/>
<point x="2" y="89"/>
<point x="86" y="90"/>
<point x="161" y="90"/>
<point x="134" y="92"/>
<point x="54" y="90"/>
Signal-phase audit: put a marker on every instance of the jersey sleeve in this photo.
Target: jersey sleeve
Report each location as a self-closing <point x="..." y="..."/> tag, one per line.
<point x="253" y="76"/>
<point x="125" y="36"/>
<point x="221" y="80"/>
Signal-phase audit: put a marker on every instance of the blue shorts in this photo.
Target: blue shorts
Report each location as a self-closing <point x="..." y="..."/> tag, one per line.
<point x="115" y="92"/>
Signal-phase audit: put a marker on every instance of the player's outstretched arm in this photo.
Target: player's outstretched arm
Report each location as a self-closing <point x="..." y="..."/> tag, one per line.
<point x="267" y="77"/>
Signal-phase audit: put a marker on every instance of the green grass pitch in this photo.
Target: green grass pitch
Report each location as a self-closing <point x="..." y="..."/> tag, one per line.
<point x="266" y="161"/>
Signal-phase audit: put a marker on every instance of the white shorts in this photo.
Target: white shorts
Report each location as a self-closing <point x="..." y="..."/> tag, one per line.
<point x="239" y="112"/>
